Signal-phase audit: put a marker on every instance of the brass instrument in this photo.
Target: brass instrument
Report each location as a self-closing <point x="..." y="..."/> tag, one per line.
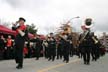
<point x="86" y="28"/>
<point x="84" y="35"/>
<point x="64" y="38"/>
<point x="88" y="23"/>
<point x="95" y="40"/>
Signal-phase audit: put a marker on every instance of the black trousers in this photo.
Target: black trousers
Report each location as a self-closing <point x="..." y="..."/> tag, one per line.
<point x="71" y="50"/>
<point x="19" y="45"/>
<point x="86" y="54"/>
<point x="66" y="52"/>
<point x="93" y="53"/>
<point x="46" y="52"/>
<point x="9" y="53"/>
<point x="66" y="56"/>
<point x="59" y="53"/>
<point x="52" y="53"/>
<point x="1" y="55"/>
<point x="1" y="52"/>
<point x="37" y="53"/>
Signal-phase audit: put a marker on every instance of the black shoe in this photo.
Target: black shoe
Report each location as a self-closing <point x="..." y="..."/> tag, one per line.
<point x="60" y="57"/>
<point x="53" y="59"/>
<point x="57" y="58"/>
<point x="67" y="61"/>
<point x="79" y="57"/>
<point x="95" y="59"/>
<point x="16" y="61"/>
<point x="49" y="59"/>
<point x="19" y="67"/>
<point x="37" y="58"/>
<point x="64" y="60"/>
<point x="71" y="55"/>
<point x="88" y="63"/>
<point x="84" y="62"/>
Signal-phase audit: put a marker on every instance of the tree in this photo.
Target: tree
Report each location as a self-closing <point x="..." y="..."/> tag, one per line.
<point x="32" y="29"/>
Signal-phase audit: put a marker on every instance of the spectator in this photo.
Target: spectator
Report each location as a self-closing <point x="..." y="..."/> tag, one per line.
<point x="2" y="45"/>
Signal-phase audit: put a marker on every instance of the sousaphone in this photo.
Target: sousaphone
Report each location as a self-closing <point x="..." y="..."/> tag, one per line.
<point x="88" y="23"/>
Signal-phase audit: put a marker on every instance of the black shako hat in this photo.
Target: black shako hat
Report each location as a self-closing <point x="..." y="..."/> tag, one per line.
<point x="21" y="18"/>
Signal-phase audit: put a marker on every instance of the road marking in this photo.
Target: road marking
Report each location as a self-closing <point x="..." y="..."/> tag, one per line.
<point x="56" y="66"/>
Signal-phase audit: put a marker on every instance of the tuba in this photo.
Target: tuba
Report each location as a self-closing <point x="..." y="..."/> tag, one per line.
<point x="88" y="23"/>
<point x="86" y="28"/>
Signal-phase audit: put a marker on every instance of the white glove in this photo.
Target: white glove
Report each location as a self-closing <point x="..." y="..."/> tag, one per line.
<point x="21" y="32"/>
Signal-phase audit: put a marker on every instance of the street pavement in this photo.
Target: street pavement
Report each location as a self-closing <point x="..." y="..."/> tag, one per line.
<point x="43" y="65"/>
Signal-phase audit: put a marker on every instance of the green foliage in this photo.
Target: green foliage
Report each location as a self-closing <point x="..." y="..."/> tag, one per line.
<point x="32" y="29"/>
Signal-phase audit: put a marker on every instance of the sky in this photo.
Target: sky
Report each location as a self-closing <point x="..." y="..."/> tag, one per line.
<point x="48" y="15"/>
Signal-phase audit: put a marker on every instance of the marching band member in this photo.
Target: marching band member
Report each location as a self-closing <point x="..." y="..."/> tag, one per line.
<point x="51" y="47"/>
<point x="86" y="41"/>
<point x="19" y="41"/>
